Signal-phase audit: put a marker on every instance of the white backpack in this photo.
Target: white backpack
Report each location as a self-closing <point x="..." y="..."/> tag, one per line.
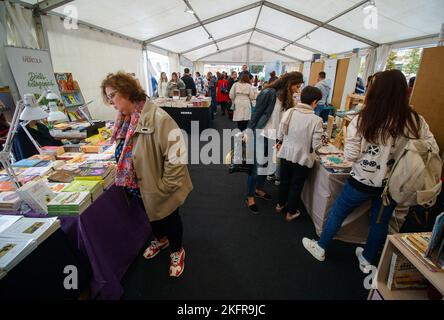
<point x="415" y="178"/>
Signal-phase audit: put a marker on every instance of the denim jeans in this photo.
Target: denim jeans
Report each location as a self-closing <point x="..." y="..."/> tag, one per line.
<point x="349" y="199"/>
<point x="213" y="103"/>
<point x="256" y="181"/>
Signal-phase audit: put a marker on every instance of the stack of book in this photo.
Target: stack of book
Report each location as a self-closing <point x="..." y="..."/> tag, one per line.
<point x="69" y="203"/>
<point x="9" y="201"/>
<point x="36" y="194"/>
<point x="19" y="236"/>
<point x="12" y="251"/>
<point x="38" y="229"/>
<point x="7" y="220"/>
<point x="57" y="187"/>
<point x="94" y="187"/>
<point x="7" y="186"/>
<point x="62" y="175"/>
<point x="403" y="274"/>
<point x="70" y="155"/>
<point x="52" y="150"/>
<point x="91" y="148"/>
<point x="26" y="163"/>
<point x="97" y="172"/>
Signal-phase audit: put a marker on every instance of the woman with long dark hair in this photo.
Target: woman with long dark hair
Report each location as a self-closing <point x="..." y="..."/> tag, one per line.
<point x="270" y="105"/>
<point x="375" y="138"/>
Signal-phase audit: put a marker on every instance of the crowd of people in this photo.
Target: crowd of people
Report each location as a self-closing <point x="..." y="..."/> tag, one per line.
<point x="285" y="117"/>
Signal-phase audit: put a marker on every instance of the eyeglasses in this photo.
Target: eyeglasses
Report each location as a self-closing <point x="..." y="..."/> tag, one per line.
<point x="111" y="95"/>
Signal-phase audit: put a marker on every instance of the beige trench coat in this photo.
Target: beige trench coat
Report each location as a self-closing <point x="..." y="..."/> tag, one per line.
<point x="163" y="180"/>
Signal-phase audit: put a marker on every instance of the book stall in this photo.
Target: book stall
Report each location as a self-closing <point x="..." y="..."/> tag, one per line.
<point x="184" y="110"/>
<point x="324" y="184"/>
<point x="72" y="189"/>
<point x="412" y="266"/>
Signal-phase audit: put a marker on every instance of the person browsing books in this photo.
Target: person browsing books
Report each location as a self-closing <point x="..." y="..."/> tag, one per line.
<point x="23" y="148"/>
<point x="150" y="165"/>
<point x="298" y="138"/>
<point x="374" y="139"/>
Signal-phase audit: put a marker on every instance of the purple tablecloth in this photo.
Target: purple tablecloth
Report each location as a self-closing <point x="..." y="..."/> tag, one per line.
<point x="110" y="232"/>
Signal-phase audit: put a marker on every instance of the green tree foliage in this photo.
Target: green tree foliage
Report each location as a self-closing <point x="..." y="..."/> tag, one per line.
<point x="391" y="61"/>
<point x="413" y="58"/>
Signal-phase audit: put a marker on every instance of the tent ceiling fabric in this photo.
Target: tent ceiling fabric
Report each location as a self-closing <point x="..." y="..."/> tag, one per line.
<point x="397" y="19"/>
<point x="233" y="24"/>
<point x="267" y="41"/>
<point x="280" y="23"/>
<point x="141" y="19"/>
<point x="206" y="9"/>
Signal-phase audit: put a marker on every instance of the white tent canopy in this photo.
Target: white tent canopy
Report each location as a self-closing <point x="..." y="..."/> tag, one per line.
<point x="236" y="30"/>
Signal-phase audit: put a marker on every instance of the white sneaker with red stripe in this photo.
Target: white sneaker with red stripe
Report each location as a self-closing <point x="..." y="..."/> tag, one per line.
<point x="177" y="263"/>
<point x="155" y="247"/>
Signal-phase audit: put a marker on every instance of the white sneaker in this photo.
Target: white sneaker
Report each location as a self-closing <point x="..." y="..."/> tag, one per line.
<point x="313" y="247"/>
<point x="364" y="265"/>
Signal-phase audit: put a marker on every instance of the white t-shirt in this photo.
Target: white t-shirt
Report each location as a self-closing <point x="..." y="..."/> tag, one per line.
<point x="271" y="128"/>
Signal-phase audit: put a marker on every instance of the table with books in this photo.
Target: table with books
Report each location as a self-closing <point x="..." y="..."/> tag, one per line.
<point x="99" y="219"/>
<point x="34" y="254"/>
<point x="185" y="112"/>
<point x="324" y="184"/>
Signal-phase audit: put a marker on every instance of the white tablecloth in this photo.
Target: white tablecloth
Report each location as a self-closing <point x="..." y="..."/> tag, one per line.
<point x="319" y="194"/>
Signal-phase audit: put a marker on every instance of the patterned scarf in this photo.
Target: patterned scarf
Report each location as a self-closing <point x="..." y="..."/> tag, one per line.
<point x="124" y="128"/>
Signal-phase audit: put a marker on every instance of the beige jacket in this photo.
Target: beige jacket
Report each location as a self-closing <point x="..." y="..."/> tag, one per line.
<point x="160" y="164"/>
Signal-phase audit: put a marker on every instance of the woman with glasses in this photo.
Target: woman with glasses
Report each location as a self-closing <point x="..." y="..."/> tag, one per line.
<point x="150" y="166"/>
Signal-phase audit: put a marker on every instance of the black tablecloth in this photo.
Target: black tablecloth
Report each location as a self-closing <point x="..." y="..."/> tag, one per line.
<point x="184" y="116"/>
<point x="41" y="274"/>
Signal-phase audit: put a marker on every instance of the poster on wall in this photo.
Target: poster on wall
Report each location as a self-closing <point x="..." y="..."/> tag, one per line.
<point x="32" y="70"/>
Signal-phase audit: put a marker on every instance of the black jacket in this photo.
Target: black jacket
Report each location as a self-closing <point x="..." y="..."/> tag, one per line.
<point x="265" y="102"/>
<point x="23" y="148"/>
<point x="246" y="72"/>
<point x="189" y="84"/>
<point x="230" y="83"/>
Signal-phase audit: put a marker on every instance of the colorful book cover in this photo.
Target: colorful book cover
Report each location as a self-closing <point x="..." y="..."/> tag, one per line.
<point x="82" y="186"/>
<point x="7" y="186"/>
<point x="26" y="163"/>
<point x="64" y="176"/>
<point x="69" y="199"/>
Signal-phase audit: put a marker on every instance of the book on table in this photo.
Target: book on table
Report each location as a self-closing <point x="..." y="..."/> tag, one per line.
<point x="417" y="244"/>
<point x="69" y="203"/>
<point x="62" y="175"/>
<point x="36" y="194"/>
<point x="7" y="186"/>
<point x="14" y="250"/>
<point x="57" y="187"/>
<point x="104" y="174"/>
<point x="93" y="173"/>
<point x="52" y="150"/>
<point x="26" y="163"/>
<point x="95" y="188"/>
<point x="9" y="201"/>
<point x="38" y="229"/>
<point x="90" y="148"/>
<point x="70" y="155"/>
<point x="7" y="220"/>
<point x="37" y="171"/>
